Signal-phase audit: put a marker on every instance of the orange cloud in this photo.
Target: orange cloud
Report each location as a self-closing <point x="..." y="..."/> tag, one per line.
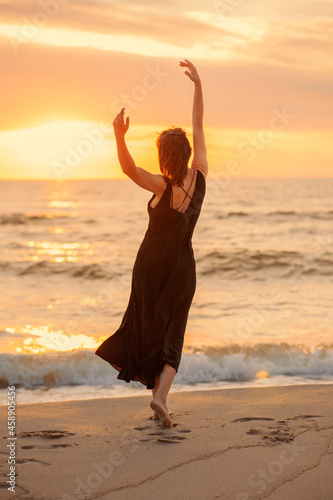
<point x="253" y="59"/>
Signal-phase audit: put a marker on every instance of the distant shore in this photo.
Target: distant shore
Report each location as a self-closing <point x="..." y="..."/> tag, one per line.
<point x="236" y="444"/>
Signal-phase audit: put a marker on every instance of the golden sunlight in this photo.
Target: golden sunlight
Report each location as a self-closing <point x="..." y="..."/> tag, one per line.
<point x="59" y="252"/>
<point x="43" y="340"/>
<point x="56" y="150"/>
<point x="63" y="150"/>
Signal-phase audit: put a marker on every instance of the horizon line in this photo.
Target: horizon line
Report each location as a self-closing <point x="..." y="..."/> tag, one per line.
<point x="128" y="178"/>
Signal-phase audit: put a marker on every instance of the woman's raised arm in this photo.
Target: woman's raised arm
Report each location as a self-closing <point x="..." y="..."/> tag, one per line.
<point x="199" y="146"/>
<point x="143" y="178"/>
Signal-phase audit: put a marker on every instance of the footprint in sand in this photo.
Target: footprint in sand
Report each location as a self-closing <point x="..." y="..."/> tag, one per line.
<point x="279" y="431"/>
<point x="25" y="460"/>
<point x="46" y="434"/>
<point x="305" y="421"/>
<point x="45" y="447"/>
<point x="248" y="419"/>
<point x="20" y="492"/>
<point x="150" y="433"/>
<point x="304" y="417"/>
<point x="253" y="431"/>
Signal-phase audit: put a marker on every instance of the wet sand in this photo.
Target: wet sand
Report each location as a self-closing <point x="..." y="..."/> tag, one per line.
<point x="237" y="444"/>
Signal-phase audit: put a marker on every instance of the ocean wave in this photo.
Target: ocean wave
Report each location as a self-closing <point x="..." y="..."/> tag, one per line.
<point x="237" y="214"/>
<point x="279" y="213"/>
<point x="311" y="215"/>
<point x="88" y="271"/>
<point x="243" y="363"/>
<point x="233" y="363"/>
<point x="236" y="264"/>
<point x="74" y="270"/>
<point x="243" y="262"/>
<point x="20" y="218"/>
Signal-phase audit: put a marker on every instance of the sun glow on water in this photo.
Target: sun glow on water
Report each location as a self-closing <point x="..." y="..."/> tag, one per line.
<point x="59" y="252"/>
<point x="42" y="339"/>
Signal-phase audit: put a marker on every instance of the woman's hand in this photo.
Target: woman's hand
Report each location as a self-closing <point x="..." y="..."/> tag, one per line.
<point x="192" y="73"/>
<point x="119" y="126"/>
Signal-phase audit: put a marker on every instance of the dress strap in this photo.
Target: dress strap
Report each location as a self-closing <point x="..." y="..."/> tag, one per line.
<point x="184" y="192"/>
<point x="188" y="188"/>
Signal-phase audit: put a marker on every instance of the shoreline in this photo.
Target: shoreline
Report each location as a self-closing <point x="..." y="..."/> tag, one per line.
<point x="250" y="443"/>
<point x="60" y="393"/>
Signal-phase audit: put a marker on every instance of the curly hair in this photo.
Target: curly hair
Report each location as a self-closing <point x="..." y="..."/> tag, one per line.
<point x="174" y="152"/>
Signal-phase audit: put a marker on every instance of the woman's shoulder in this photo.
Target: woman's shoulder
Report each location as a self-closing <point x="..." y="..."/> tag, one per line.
<point x="201" y="172"/>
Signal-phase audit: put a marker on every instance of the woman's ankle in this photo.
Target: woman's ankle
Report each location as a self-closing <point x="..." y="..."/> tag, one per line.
<point x="160" y="397"/>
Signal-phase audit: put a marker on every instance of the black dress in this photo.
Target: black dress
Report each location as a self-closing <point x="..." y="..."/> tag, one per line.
<point x="163" y="285"/>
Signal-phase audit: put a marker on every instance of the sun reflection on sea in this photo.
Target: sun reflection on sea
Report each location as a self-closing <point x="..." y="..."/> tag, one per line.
<point x="59" y="230"/>
<point x="42" y="339"/>
<point x="62" y="204"/>
<point x="59" y="252"/>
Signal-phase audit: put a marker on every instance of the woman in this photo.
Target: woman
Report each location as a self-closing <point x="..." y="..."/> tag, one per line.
<point x="148" y="344"/>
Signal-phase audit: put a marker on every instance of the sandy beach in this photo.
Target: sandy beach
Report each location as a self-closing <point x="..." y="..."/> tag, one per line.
<point x="238" y="444"/>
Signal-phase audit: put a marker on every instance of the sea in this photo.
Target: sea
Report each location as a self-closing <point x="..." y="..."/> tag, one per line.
<point x="262" y="314"/>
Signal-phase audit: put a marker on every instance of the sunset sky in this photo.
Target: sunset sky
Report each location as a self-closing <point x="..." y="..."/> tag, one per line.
<point x="68" y="66"/>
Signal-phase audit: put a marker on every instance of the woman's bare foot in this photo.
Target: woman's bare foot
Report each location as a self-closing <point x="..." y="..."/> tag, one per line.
<point x="161" y="409"/>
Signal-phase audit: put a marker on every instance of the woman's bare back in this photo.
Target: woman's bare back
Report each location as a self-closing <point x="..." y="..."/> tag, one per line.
<point x="181" y="196"/>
